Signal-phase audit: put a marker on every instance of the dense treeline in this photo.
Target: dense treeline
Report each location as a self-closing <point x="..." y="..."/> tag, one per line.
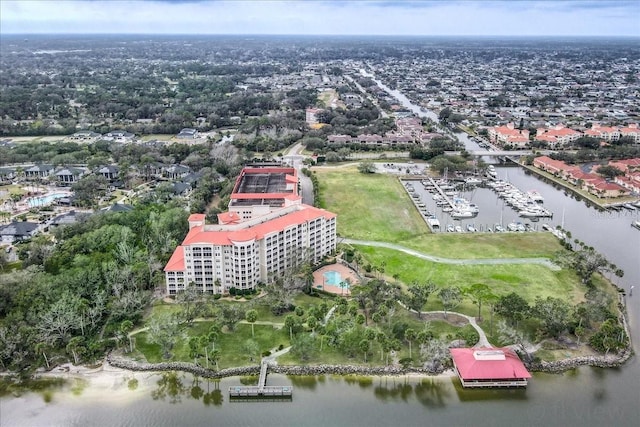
<point x="80" y="292"/>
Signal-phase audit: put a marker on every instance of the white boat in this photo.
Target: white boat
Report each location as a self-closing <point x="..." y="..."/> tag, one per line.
<point x="535" y="196"/>
<point x="450" y="228"/>
<point x="462" y="214"/>
<point x="636" y="224"/>
<point x="499" y="228"/>
<point x="512" y="226"/>
<point x="433" y="222"/>
<point x="472" y="180"/>
<point x="458" y="229"/>
<point x="447" y="209"/>
<point x="471" y="228"/>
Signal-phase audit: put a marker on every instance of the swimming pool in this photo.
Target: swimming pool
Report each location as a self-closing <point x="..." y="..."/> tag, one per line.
<point x="45" y="200"/>
<point x="334" y="278"/>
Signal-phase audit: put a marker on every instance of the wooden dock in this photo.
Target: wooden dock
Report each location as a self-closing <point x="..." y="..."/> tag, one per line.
<point x="262" y="390"/>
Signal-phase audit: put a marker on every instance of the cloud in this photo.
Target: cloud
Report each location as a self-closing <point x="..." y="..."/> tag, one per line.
<point x="322" y="17"/>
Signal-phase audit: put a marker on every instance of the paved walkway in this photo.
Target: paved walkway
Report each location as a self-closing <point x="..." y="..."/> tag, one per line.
<point x="482" y="341"/>
<point x="468" y="261"/>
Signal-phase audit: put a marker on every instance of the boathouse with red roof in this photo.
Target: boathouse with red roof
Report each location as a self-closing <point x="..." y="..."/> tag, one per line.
<point x="489" y="367"/>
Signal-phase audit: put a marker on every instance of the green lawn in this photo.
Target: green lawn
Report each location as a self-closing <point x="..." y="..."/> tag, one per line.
<point x="230" y="344"/>
<point x="372" y="206"/>
<point x="528" y="280"/>
<point x="376" y="207"/>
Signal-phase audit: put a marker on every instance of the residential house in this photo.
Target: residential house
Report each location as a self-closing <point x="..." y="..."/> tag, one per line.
<point x="67" y="176"/>
<point x="606" y="133"/>
<point x="509" y="135"/>
<point x="118" y="207"/>
<point x="606" y="189"/>
<point x="554" y="167"/>
<point x="181" y="189"/>
<point x="17" y="231"/>
<point x="67" y="218"/>
<point x="557" y="136"/>
<point x="176" y="171"/>
<point x="188" y="133"/>
<point x="119" y="136"/>
<point x="110" y="172"/>
<point x="38" y="172"/>
<point x="7" y="175"/>
<point x="626" y="165"/>
<point x="311" y="115"/>
<point x="631" y="131"/>
<point x="84" y="136"/>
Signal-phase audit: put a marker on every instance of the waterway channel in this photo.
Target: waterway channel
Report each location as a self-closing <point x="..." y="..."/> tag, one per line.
<point x="582" y="397"/>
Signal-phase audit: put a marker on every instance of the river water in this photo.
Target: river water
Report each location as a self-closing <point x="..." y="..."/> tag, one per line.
<point x="581" y="397"/>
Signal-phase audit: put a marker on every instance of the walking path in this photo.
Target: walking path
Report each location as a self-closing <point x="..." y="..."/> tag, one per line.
<point x="469" y="261"/>
<point x="482" y="341"/>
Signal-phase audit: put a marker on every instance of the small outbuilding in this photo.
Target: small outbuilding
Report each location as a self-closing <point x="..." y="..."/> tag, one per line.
<point x="489" y="367"/>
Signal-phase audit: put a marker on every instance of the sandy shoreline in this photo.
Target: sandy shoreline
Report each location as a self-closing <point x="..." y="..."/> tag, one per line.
<point x="107" y="374"/>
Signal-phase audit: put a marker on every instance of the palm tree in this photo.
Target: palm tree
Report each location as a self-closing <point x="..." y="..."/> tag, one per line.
<point x="251" y="316"/>
<point x="409" y="335"/>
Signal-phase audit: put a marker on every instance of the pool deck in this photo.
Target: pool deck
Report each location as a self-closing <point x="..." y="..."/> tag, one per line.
<point x="345" y="272"/>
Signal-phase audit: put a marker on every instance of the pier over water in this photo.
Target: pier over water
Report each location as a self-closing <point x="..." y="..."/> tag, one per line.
<point x="262" y="390"/>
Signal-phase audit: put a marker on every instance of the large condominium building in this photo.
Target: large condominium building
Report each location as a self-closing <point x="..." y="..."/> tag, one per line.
<point x="261" y="190"/>
<point x="257" y="241"/>
<point x="508" y="134"/>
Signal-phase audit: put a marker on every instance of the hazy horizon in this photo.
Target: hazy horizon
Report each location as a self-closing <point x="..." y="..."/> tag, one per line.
<point x="455" y="18"/>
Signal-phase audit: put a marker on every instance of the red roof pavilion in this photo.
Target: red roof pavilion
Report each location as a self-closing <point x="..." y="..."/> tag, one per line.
<point x="489" y="367"/>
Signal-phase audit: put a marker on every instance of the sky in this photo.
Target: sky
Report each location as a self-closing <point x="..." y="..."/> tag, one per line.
<point x="320" y="17"/>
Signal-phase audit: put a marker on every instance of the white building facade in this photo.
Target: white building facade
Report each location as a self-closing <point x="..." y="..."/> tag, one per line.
<point x="242" y="254"/>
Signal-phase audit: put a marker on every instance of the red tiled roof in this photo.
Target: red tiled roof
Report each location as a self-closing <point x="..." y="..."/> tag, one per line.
<point x="176" y="262"/>
<point x="225" y="237"/>
<point x="196" y="217"/>
<point x="471" y="368"/>
<point x="228" y="217"/>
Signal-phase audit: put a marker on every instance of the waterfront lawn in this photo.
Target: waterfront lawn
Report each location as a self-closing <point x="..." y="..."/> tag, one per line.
<point x="369" y="206"/>
<point x="487" y="245"/>
<point x="230" y="344"/>
<point x="528" y="280"/>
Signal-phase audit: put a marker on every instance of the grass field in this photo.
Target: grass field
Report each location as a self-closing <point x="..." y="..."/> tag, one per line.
<point x="371" y="207"/>
<point x="376" y="207"/>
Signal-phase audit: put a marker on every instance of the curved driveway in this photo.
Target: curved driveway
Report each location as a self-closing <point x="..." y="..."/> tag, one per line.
<point x="474" y="261"/>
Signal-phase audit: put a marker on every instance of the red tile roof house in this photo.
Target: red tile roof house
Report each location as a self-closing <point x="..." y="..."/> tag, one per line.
<point x="629" y="182"/>
<point x="509" y="135"/>
<point x="489" y="367"/>
<point x="604" y="189"/>
<point x="604" y="132"/>
<point x="557" y="136"/>
<point x="626" y="165"/>
<point x="555" y="167"/>
<point x="632" y="131"/>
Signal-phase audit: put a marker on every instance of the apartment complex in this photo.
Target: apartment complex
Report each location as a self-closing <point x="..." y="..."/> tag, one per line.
<point x="250" y="246"/>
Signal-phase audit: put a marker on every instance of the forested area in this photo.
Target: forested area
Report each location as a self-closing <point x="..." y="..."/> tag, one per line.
<point x="84" y="287"/>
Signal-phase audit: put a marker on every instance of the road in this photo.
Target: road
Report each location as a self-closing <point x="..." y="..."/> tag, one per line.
<point x="294" y="157"/>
